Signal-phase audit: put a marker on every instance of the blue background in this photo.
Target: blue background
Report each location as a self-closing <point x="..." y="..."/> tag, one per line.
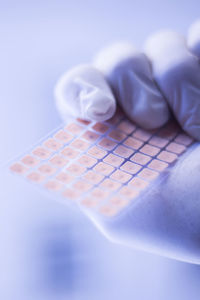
<point x="49" y="251"/>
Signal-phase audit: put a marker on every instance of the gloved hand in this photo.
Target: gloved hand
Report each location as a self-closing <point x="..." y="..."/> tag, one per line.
<point x="148" y="87"/>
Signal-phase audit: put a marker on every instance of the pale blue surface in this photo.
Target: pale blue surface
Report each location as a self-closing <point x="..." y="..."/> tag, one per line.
<point x="49" y="251"/>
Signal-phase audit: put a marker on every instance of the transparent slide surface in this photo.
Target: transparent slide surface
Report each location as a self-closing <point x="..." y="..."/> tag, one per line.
<point x="140" y="188"/>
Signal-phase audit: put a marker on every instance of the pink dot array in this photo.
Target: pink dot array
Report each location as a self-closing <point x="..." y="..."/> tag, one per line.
<point x="103" y="166"/>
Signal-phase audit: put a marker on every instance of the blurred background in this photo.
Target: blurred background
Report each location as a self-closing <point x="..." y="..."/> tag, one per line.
<point x="48" y="250"/>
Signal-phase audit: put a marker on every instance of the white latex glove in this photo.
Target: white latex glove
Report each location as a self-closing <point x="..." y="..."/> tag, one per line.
<point x="177" y="73"/>
<point x="128" y="72"/>
<point x="147" y="87"/>
<point x="83" y="92"/>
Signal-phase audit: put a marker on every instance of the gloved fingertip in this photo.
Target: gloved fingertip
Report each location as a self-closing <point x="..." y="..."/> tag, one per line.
<point x="94" y="114"/>
<point x="150" y="113"/>
<point x="84" y="93"/>
<point x="97" y="106"/>
<point x="128" y="72"/>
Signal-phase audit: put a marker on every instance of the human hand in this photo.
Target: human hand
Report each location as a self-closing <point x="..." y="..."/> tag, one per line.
<point x="149" y="87"/>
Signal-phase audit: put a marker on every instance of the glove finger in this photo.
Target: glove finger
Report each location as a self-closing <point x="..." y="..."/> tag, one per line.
<point x="129" y="74"/>
<point x="177" y="73"/>
<point x="83" y="92"/>
<point x="193" y="38"/>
